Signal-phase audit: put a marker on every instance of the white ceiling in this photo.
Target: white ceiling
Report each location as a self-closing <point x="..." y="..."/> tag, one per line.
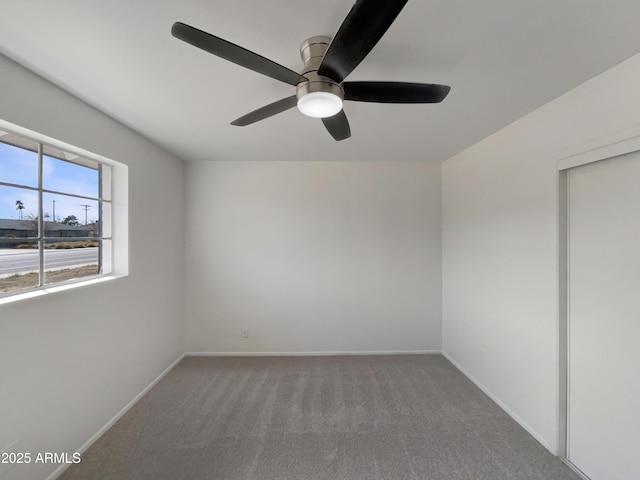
<point x="502" y="58"/>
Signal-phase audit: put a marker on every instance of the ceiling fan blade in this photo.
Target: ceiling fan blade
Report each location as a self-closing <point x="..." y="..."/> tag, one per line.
<point x="266" y="111"/>
<point x="395" y="92"/>
<point x="364" y="25"/>
<point x="234" y="53"/>
<point x="338" y="126"/>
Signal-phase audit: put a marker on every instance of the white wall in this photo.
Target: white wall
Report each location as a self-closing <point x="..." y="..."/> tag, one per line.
<point x="313" y="256"/>
<point x="499" y="245"/>
<point x="71" y="360"/>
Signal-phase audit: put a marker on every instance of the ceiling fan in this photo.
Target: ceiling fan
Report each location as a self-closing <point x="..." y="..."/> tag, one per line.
<point x="320" y="86"/>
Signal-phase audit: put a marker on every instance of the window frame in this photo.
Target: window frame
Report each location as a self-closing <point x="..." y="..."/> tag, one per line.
<point x="41" y="239"/>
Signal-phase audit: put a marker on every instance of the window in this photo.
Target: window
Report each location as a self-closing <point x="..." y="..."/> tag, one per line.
<point x="55" y="215"/>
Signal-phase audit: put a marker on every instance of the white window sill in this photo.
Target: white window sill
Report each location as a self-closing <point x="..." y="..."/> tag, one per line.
<point x="56" y="288"/>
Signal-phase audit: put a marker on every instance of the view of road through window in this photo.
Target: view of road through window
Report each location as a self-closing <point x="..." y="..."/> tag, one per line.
<point x="55" y="214"/>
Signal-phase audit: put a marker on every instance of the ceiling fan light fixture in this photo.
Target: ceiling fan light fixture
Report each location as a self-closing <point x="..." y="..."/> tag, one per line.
<point x="320" y="104"/>
<point x="320" y="86"/>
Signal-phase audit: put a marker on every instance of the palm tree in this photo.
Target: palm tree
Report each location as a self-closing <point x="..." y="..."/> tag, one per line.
<point x="19" y="207"/>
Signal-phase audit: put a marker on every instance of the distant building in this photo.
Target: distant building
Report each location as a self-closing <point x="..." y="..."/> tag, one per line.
<point x="10" y="228"/>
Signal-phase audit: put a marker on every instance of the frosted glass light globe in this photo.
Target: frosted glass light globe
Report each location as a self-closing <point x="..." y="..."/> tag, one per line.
<point x="320" y="104"/>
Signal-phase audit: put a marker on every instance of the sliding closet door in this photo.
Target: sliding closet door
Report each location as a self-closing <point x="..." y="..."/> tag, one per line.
<point x="604" y="318"/>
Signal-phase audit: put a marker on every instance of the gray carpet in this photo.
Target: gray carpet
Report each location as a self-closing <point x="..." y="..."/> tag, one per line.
<point x="343" y="418"/>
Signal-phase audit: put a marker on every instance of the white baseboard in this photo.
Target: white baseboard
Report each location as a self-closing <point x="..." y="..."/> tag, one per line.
<point x="311" y="354"/>
<point x="501" y="404"/>
<point x="58" y="471"/>
<point x="577" y="471"/>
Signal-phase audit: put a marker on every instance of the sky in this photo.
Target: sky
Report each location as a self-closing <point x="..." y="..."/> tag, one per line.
<point x="20" y="166"/>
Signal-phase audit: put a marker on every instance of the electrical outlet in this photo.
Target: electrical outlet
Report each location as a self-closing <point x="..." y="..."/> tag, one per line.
<point x="245" y="332"/>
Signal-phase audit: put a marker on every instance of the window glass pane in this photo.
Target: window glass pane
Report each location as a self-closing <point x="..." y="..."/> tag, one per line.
<point x="67" y="259"/>
<point x="74" y="217"/>
<point x="18" y="160"/>
<point x="68" y="173"/>
<point x="18" y="212"/>
<point x="19" y="261"/>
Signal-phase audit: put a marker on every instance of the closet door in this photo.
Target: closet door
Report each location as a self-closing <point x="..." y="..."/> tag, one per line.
<point x="603" y="417"/>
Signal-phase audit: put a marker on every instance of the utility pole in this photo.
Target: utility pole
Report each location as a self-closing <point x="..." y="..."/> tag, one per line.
<point x="54" y="211"/>
<point x="86" y="207"/>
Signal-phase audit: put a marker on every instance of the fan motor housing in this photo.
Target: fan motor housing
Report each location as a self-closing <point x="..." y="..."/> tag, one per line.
<point x="312" y="52"/>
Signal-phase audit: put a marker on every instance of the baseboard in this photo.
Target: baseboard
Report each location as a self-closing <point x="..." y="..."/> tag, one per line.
<point x="312" y="353"/>
<point x="501" y="404"/>
<point x="575" y="469"/>
<point x="58" y="471"/>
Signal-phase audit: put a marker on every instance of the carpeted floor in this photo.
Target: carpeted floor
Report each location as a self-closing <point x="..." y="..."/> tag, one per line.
<point x="340" y="418"/>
